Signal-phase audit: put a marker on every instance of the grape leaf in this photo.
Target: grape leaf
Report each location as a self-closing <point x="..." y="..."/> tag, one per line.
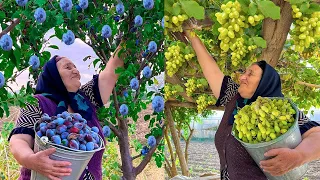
<point x="304" y="7"/>
<point x="176" y="9"/>
<point x="244" y="5"/>
<point x="314" y="7"/>
<point x="252" y="8"/>
<point x="269" y="9"/>
<point x="193" y="9"/>
<point x="259" y="41"/>
<point x="167" y="7"/>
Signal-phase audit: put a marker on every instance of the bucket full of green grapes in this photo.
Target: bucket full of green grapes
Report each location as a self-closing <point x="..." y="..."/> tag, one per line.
<point x="269" y="123"/>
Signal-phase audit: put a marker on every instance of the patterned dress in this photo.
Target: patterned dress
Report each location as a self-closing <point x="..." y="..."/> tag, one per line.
<point x="235" y="161"/>
<point x="32" y="113"/>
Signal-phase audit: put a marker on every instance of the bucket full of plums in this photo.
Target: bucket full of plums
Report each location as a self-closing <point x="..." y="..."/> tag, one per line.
<point x="72" y="138"/>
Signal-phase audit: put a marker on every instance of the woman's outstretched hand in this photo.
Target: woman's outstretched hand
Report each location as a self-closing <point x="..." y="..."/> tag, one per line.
<point x="187" y="30"/>
<point x="41" y="163"/>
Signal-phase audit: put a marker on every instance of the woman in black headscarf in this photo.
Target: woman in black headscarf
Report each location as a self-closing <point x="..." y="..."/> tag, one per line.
<point x="59" y="90"/>
<point x="259" y="79"/>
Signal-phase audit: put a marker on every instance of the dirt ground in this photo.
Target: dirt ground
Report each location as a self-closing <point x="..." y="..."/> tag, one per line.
<point x="204" y="158"/>
<point x="14" y="113"/>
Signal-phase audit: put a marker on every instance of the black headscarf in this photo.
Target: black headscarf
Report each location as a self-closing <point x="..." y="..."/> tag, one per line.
<point x="269" y="86"/>
<point x="51" y="86"/>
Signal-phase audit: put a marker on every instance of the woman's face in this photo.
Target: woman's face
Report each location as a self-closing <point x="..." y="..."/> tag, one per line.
<point x="249" y="81"/>
<point x="69" y="74"/>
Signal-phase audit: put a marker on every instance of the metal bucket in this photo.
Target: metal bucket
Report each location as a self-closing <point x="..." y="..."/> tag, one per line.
<point x="78" y="159"/>
<point x="290" y="139"/>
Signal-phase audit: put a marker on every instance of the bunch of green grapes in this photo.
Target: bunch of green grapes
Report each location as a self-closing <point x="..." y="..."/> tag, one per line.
<point x="306" y="28"/>
<point x="174" y="23"/>
<point x="175" y="57"/>
<point x="203" y="101"/>
<point x="168" y="92"/>
<point x="233" y="22"/>
<point x="239" y="51"/>
<point x="264" y="120"/>
<point x="193" y="84"/>
<point x="171" y="90"/>
<point x="255" y="19"/>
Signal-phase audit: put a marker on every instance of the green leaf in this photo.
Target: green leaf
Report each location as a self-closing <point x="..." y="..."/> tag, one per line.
<point x="9" y="70"/>
<point x="59" y="19"/>
<point x="193" y="9"/>
<point x="252" y="8"/>
<point x="292" y="2"/>
<point x="2" y="15"/>
<point x="95" y="62"/>
<point x="1" y="112"/>
<point x="144" y="106"/>
<point x="46" y="55"/>
<point x="21" y="25"/>
<point x="304" y="7"/>
<point x="158" y="161"/>
<point x="147" y="117"/>
<point x="215" y="28"/>
<point x="59" y="32"/>
<point x="53" y="47"/>
<point x="176" y="9"/>
<point x="259" y="41"/>
<point x="269" y="9"/>
<point x="244" y="5"/>
<point x="6" y="109"/>
<point x="40" y="2"/>
<point x="17" y="55"/>
<point x="314" y="7"/>
<point x="120" y="70"/>
<point x="167" y="6"/>
<point x="113" y="120"/>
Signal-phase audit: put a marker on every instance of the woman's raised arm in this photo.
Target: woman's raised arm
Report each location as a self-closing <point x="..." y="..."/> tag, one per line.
<point x="208" y="65"/>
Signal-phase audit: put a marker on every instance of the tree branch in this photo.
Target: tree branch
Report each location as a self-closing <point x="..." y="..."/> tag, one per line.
<point x="188" y="143"/>
<point x="176" y="140"/>
<point x="173" y="168"/>
<point x="168" y="171"/>
<point x="114" y="129"/>
<point x="135" y="157"/>
<point x="10" y="27"/>
<point x="116" y="104"/>
<point x="308" y="84"/>
<point x="167" y="161"/>
<point x="275" y="32"/>
<point x="148" y="157"/>
<point x="105" y="59"/>
<point x="175" y="80"/>
<point x="191" y="105"/>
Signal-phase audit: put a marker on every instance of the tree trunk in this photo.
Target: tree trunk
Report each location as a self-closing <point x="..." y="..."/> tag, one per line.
<point x="176" y="141"/>
<point x="173" y="167"/>
<point x="187" y="145"/>
<point x="127" y="166"/>
<point x="275" y="32"/>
